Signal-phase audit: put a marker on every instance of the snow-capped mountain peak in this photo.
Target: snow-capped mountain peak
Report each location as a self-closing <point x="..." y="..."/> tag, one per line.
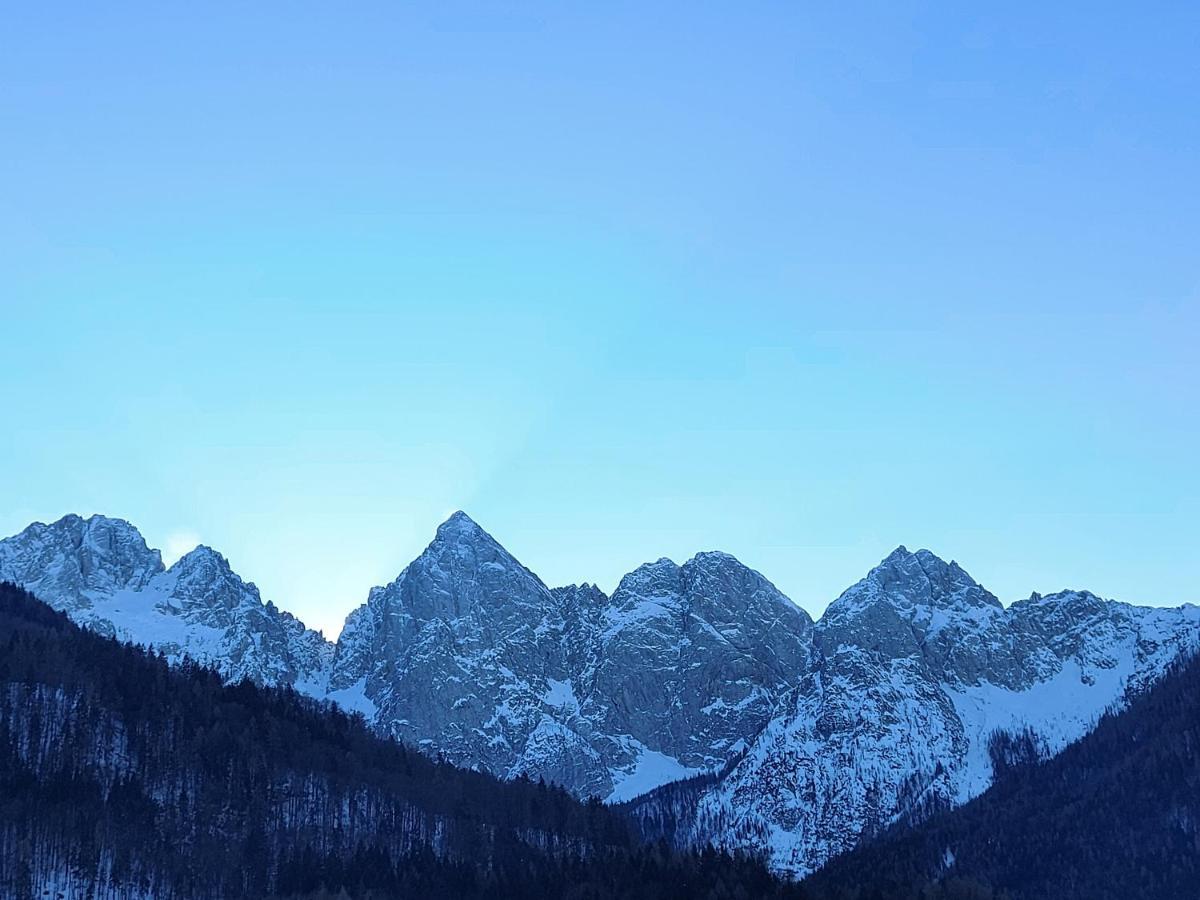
<point x="919" y="666"/>
<point x="917" y="606"/>
<point x="101" y="571"/>
<point x="822" y="732"/>
<point x="460" y="526"/>
<point x="73" y="560"/>
<point x="916" y="579"/>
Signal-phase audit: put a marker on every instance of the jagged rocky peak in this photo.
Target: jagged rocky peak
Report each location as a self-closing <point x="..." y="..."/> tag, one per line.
<point x="580" y="603"/>
<point x="722" y="642"/>
<point x="460" y="526"/>
<point x="74" y="559"/>
<point x="1060" y="619"/>
<point x="203" y="562"/>
<point x="101" y="572"/>
<point x="725" y="588"/>
<point x="920" y="578"/>
<point x="1074" y="626"/>
<point x="918" y="606"/>
<point x="710" y="591"/>
<point x="202" y="579"/>
<point x="463" y="572"/>
<point x="1069" y="600"/>
<point x="661" y="577"/>
<point x="917" y="588"/>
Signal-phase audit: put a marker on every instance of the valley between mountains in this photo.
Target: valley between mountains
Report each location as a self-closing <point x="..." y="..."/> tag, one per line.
<point x="796" y="738"/>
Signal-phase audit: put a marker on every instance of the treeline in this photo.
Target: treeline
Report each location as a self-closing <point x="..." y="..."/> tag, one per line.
<point x="123" y="777"/>
<point x="1115" y="816"/>
<point x="671" y="813"/>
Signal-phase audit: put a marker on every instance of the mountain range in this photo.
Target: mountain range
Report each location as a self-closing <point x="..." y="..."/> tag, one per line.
<point x="125" y="778"/>
<point x="796" y="739"/>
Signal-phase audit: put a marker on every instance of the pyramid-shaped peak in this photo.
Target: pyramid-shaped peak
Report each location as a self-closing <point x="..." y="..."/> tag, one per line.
<point x="462" y="546"/>
<point x="458" y="526"/>
<point x="464" y="572"/>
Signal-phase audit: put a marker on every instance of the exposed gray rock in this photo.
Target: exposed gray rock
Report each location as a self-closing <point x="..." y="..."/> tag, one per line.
<point x="100" y="571"/>
<point x="467" y="651"/>
<point x="821" y="733"/>
<point x="74" y="560"/>
<point x="695" y="657"/>
<point x="917" y="666"/>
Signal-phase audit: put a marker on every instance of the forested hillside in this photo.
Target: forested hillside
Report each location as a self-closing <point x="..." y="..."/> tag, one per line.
<point x="123" y="777"/>
<point x="1114" y="816"/>
<point x="821" y="733"/>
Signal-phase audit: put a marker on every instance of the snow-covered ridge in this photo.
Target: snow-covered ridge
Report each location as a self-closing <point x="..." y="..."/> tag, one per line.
<point x="823" y="731"/>
<point x="101" y="573"/>
<point x="916" y="667"/>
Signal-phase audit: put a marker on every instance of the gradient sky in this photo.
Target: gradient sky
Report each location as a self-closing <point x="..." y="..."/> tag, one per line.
<point x="621" y="280"/>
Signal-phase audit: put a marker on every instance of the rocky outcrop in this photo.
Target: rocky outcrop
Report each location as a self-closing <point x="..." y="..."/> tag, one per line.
<point x="915" y="668"/>
<point x="469" y="652"/>
<point x="100" y="571"/>
<point x="808" y="735"/>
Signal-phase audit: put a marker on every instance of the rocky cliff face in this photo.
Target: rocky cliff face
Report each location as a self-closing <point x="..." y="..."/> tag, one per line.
<point x="468" y="652"/>
<point x="100" y="572"/>
<point x="914" y="669"/>
<point x="813" y="735"/>
<point x="693" y="660"/>
<point x="75" y="561"/>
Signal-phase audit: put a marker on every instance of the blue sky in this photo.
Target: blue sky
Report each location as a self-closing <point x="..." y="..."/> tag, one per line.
<point x="621" y="280"/>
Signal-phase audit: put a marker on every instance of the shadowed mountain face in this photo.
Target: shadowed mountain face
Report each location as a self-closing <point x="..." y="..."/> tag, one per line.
<point x="1115" y="815"/>
<point x="822" y="732"/>
<point x="467" y="651"/>
<point x="122" y="777"/>
<point x="101" y="573"/>
<point x="914" y="669"/>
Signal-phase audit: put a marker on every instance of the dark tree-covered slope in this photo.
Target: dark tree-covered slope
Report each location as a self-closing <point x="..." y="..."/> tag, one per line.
<point x="1114" y="816"/>
<point x="122" y="777"/>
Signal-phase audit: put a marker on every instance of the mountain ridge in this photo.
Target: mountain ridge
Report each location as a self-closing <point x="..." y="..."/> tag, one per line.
<point x="825" y="730"/>
<point x="125" y="778"/>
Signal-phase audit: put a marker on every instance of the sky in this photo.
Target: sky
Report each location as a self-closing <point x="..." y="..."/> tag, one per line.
<point x="622" y="281"/>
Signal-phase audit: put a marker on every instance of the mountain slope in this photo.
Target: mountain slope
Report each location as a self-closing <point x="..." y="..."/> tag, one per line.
<point x="101" y="573"/>
<point x="122" y="777"/>
<point x="915" y="667"/>
<point x="1115" y="815"/>
<point x="692" y="661"/>
<point x="800" y="738"/>
<point x="464" y="652"/>
<point x="468" y="652"/>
